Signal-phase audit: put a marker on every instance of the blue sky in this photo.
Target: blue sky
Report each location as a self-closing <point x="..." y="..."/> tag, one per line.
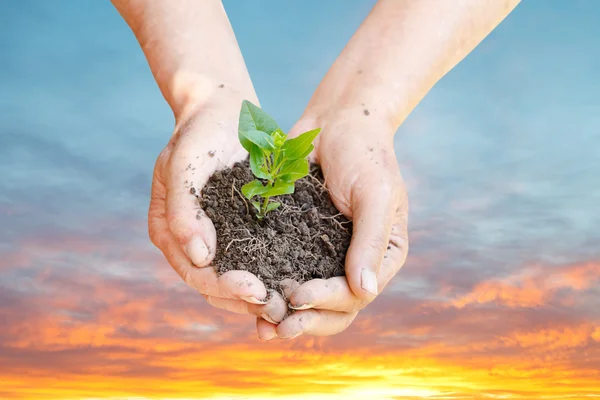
<point x="502" y="158"/>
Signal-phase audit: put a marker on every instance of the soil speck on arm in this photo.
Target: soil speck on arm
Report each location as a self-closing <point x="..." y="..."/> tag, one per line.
<point x="211" y="153"/>
<point x="366" y="112"/>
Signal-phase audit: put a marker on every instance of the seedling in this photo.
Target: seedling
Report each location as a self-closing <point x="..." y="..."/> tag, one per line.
<point x="276" y="162"/>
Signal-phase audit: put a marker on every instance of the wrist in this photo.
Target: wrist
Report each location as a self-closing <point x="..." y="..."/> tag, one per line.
<point x="192" y="93"/>
<point x="342" y="120"/>
<point x="362" y="101"/>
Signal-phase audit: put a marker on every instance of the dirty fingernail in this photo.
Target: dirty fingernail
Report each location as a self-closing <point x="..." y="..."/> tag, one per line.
<point x="300" y="307"/>
<point x="197" y="251"/>
<point x="267" y="318"/>
<point x="368" y="281"/>
<point x="253" y="300"/>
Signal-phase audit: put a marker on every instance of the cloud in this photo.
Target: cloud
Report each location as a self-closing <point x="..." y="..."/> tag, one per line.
<point x="532" y="287"/>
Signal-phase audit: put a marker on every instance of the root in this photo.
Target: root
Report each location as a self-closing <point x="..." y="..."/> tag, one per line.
<point x="241" y="197"/>
<point x="237" y="240"/>
<point x="339" y="224"/>
<point x="322" y="185"/>
<point x="295" y="210"/>
<point x="333" y="216"/>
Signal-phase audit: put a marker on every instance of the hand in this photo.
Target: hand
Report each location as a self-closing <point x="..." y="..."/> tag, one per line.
<point x="204" y="142"/>
<point x="361" y="172"/>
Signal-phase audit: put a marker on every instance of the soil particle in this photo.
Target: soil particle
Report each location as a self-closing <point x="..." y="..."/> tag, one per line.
<point x="305" y="238"/>
<point x="366" y="112"/>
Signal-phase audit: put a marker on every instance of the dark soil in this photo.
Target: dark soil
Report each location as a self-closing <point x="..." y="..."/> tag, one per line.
<point x="305" y="238"/>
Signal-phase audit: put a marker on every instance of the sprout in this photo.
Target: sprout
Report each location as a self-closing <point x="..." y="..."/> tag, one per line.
<point x="276" y="162"/>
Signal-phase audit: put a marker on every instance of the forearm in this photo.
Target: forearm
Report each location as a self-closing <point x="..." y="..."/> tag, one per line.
<point x="191" y="49"/>
<point x="400" y="52"/>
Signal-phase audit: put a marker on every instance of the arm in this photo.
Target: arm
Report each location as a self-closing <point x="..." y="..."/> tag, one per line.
<point x="195" y="59"/>
<point x="191" y="49"/>
<point x="397" y="55"/>
<point x="401" y="50"/>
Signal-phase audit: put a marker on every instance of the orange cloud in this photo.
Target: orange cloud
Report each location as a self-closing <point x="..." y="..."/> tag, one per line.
<point x="532" y="287"/>
<point x="77" y="333"/>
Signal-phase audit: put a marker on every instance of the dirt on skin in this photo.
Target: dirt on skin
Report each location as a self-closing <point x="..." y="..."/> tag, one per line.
<point x="305" y="238"/>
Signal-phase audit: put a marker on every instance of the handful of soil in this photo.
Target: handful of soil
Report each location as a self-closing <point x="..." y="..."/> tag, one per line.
<point x="305" y="238"/>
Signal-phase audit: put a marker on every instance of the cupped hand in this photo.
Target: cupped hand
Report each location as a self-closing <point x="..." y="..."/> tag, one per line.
<point x="203" y="142"/>
<point x="356" y="154"/>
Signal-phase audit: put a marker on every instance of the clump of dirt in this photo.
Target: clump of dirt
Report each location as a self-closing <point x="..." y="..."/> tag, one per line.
<point x="305" y="238"/>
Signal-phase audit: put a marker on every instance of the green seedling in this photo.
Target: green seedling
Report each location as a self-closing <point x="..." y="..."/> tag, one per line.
<point x="276" y="162"/>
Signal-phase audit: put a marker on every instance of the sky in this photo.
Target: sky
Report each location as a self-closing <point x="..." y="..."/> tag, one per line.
<point x="499" y="297"/>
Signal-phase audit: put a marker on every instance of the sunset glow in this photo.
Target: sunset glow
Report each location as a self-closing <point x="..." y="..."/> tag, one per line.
<point x="499" y="297"/>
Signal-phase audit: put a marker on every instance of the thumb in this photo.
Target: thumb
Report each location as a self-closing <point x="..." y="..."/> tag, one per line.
<point x="373" y="211"/>
<point x="190" y="226"/>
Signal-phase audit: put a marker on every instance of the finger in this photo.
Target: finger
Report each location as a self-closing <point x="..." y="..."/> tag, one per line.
<point x="273" y="311"/>
<point x="314" y="322"/>
<point x="187" y="222"/>
<point x="373" y="208"/>
<point x="232" y="284"/>
<point x="331" y="294"/>
<point x="334" y="294"/>
<point x="288" y="287"/>
<point x="265" y="330"/>
<point x="188" y="169"/>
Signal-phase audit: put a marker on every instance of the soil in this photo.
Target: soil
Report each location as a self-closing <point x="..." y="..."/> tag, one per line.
<point x="305" y="238"/>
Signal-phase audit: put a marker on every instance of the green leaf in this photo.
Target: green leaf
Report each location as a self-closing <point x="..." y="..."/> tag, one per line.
<point x="259" y="138"/>
<point x="308" y="151"/>
<point x="294" y="165"/>
<point x="257" y="162"/>
<point x="256" y="205"/>
<point x="297" y="147"/>
<point x="253" y="118"/>
<point x="271" y="206"/>
<point x="280" y="187"/>
<point x="292" y="170"/>
<point x="256" y="188"/>
<point x="252" y="189"/>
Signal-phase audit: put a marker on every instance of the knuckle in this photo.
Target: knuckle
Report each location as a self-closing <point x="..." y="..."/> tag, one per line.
<point x="179" y="225"/>
<point x="377" y="242"/>
<point x="348" y="321"/>
<point x="157" y="238"/>
<point x="388" y="189"/>
<point x="187" y="277"/>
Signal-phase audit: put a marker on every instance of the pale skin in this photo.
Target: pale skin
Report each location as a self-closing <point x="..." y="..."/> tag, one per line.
<point x="401" y="50"/>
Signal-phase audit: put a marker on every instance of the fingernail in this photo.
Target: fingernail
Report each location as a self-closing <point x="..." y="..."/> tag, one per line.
<point x="197" y="251"/>
<point x="266" y="339"/>
<point x="253" y="300"/>
<point x="267" y="318"/>
<point x="293" y="337"/>
<point x="368" y="281"/>
<point x="300" y="307"/>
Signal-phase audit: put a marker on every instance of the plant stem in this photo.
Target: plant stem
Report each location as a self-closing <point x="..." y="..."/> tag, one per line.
<point x="268" y="160"/>
<point x="263" y="210"/>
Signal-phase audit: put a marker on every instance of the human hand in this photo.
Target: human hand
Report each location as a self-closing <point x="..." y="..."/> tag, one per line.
<point x="204" y="142"/>
<point x="356" y="154"/>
